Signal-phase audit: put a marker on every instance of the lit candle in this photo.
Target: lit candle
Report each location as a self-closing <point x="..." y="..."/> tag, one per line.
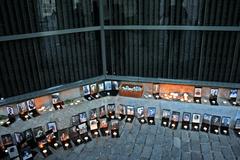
<point x="106" y="131"/>
<point x="26" y="116"/>
<point x="189" y="100"/>
<point x="157" y="96"/>
<point x="50" y="109"/>
<point x="71" y="104"/>
<point x="149" y="95"/>
<point x="181" y="99"/>
<point x="44" y="151"/>
<point x="115" y="133"/>
<point x="1" y="122"/>
<point x="216" y="130"/>
<point x="185" y="127"/>
<point x="78" y="101"/>
<point x="86" y="138"/>
<point x="196" y="127"/>
<point x="129" y="119"/>
<point x="77" y="129"/>
<point x="234" y="103"/>
<point x="55" y="144"/>
<point x="97" y="96"/>
<point x="89" y="98"/>
<point x="6" y="150"/>
<point x="8" y="122"/>
<point x="225" y="131"/>
<point x="205" y="101"/>
<point x="224" y="102"/>
<point x="142" y="120"/>
<point x="96" y="133"/>
<point x="173" y="125"/>
<point x="66" y="144"/>
<point x="58" y="106"/>
<point x="239" y="133"/>
<point x="197" y="101"/>
<point x="119" y="118"/>
<point x="213" y="102"/>
<point x="112" y="117"/>
<point x="78" y="140"/>
<point x="151" y="121"/>
<point x="54" y="136"/>
<point x="108" y="93"/>
<point x="165" y="123"/>
<point x="204" y="128"/>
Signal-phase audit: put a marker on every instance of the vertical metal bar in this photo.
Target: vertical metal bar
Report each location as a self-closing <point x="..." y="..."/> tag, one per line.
<point x="102" y="36"/>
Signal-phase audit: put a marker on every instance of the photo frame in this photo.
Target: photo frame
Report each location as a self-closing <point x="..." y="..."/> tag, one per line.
<point x="121" y="111"/>
<point x="10" y="111"/>
<point x="38" y="132"/>
<point x="55" y="98"/>
<point x="86" y="90"/>
<point x="206" y="122"/>
<point x="75" y="136"/>
<point x="7" y="140"/>
<point x="115" y="129"/>
<point x="52" y="126"/>
<point x="94" y="128"/>
<point x="165" y="117"/>
<point x="237" y="127"/>
<point x="175" y="119"/>
<point x="75" y="120"/>
<point x="196" y="119"/>
<point x="43" y="147"/>
<point x="130" y="114"/>
<point x="104" y="127"/>
<point x="108" y="85"/>
<point x="83" y="128"/>
<point x="19" y="137"/>
<point x="140" y="112"/>
<point x="31" y="105"/>
<point x="111" y="111"/>
<point x="65" y="138"/>
<point x="198" y="92"/>
<point x="22" y="107"/>
<point x="215" y="124"/>
<point x="93" y="88"/>
<point x="101" y="87"/>
<point x="115" y="85"/>
<point x="225" y="123"/>
<point x="151" y="111"/>
<point x="13" y="151"/>
<point x="93" y="113"/>
<point x="102" y="111"/>
<point x="186" y="118"/>
<point x="233" y="93"/>
<point x="29" y="136"/>
<point x="26" y="153"/>
<point x="51" y="139"/>
<point x="83" y="117"/>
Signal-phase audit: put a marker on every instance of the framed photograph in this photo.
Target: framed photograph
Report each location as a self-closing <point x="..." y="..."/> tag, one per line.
<point x="26" y="153"/>
<point x="175" y="116"/>
<point x="102" y="111"/>
<point x="100" y="87"/>
<point x="28" y="134"/>
<point x="13" y="152"/>
<point x="121" y="109"/>
<point x="19" y="137"/>
<point x="52" y="126"/>
<point x="156" y="88"/>
<point x="216" y="120"/>
<point x="226" y="121"/>
<point x="86" y="90"/>
<point x="55" y="98"/>
<point x="151" y="111"/>
<point x="38" y="132"/>
<point x="207" y="118"/>
<point x="83" y="128"/>
<point x="75" y="120"/>
<point x="214" y="92"/>
<point x="93" y="124"/>
<point x="186" y="117"/>
<point x="22" y="107"/>
<point x="108" y="85"/>
<point x="130" y="110"/>
<point x="115" y="85"/>
<point x="83" y="117"/>
<point x="140" y="112"/>
<point x="7" y="140"/>
<point x="196" y="118"/>
<point x="63" y="135"/>
<point x="10" y="111"/>
<point x="73" y="132"/>
<point x="103" y="123"/>
<point x="93" y="113"/>
<point x="31" y="104"/>
<point x="166" y="113"/>
<point x="233" y="93"/>
<point x="198" y="92"/>
<point x="114" y="124"/>
<point x="93" y="88"/>
<point x="111" y="109"/>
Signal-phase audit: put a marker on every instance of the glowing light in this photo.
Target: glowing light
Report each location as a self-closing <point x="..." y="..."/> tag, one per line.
<point x="151" y="121"/>
<point x="106" y="131"/>
<point x="108" y="93"/>
<point x="185" y="127"/>
<point x="79" y="140"/>
<point x="216" y="130"/>
<point x="112" y="117"/>
<point x="78" y="101"/>
<point x="44" y="151"/>
<point x="234" y="103"/>
<point x="55" y="144"/>
<point x="71" y="104"/>
<point x="205" y="128"/>
<point x="142" y="120"/>
<point x="129" y="119"/>
<point x="66" y="144"/>
<point x="119" y="118"/>
<point x="6" y="151"/>
<point x="165" y="123"/>
<point x="225" y="131"/>
<point x="86" y="138"/>
<point x="96" y="133"/>
<point x="115" y="133"/>
<point x="205" y="101"/>
<point x="197" y="101"/>
<point x="196" y="127"/>
<point x="173" y="125"/>
<point x="224" y="102"/>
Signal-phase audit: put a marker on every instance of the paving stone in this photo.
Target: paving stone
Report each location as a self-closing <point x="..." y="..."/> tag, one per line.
<point x="185" y="136"/>
<point x="146" y="153"/>
<point x="185" y="146"/>
<point x="186" y="156"/>
<point x="236" y="150"/>
<point x="177" y="142"/>
<point x="196" y="155"/>
<point x="150" y="140"/>
<point x="223" y="140"/>
<point x="227" y="153"/>
<point x="207" y="156"/>
<point x="195" y="146"/>
<point x="176" y="153"/>
<point x="205" y="148"/>
<point x="216" y="146"/>
<point x="213" y="137"/>
<point x="218" y="155"/>
<point x="194" y="136"/>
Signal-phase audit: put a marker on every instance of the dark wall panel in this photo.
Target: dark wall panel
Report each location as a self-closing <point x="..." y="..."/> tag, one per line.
<point x="34" y="64"/>
<point x="191" y="55"/>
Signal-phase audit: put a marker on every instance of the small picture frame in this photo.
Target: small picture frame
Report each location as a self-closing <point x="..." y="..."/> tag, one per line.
<point x="215" y="124"/>
<point x="165" y="117"/>
<point x="121" y="111"/>
<point x="13" y="151"/>
<point x="75" y="120"/>
<point x="115" y="129"/>
<point x="26" y="153"/>
<point x="175" y="119"/>
<point x="237" y="127"/>
<point x="19" y="137"/>
<point x="86" y="90"/>
<point x="196" y="119"/>
<point x="140" y="112"/>
<point x="7" y="140"/>
<point x="102" y="111"/>
<point x="186" y="120"/>
<point x="151" y="115"/>
<point x="31" y="105"/>
<point x="43" y="147"/>
<point x="93" y="113"/>
<point x="130" y="114"/>
<point x="94" y="128"/>
<point x="75" y="136"/>
<point x="10" y="111"/>
<point x="55" y="98"/>
<point x="101" y="87"/>
<point x="83" y="128"/>
<point x="198" y="92"/>
<point x="225" y="125"/>
<point x="115" y="85"/>
<point x="83" y="117"/>
<point x="206" y="122"/>
<point x="38" y="132"/>
<point x="104" y="126"/>
<point x="52" y="126"/>
<point x="28" y="134"/>
<point x="233" y="93"/>
<point x="111" y="111"/>
<point x="65" y="138"/>
<point x="108" y="85"/>
<point x="93" y="88"/>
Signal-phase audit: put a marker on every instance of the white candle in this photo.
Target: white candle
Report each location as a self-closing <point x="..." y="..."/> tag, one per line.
<point x="165" y="123"/>
<point x="173" y="125"/>
<point x="119" y="117"/>
<point x="96" y="133"/>
<point x="106" y="131"/>
<point x="185" y="126"/>
<point x="78" y="140"/>
<point x="78" y="101"/>
<point x="86" y="138"/>
<point x="108" y="93"/>
<point x="197" y="101"/>
<point x="142" y="120"/>
<point x="129" y="119"/>
<point x="55" y="144"/>
<point x="115" y="133"/>
<point x="205" y="100"/>
<point x="8" y="122"/>
<point x="66" y="144"/>
<point x="196" y="127"/>
<point x="44" y="151"/>
<point x="151" y="121"/>
<point x="224" y="102"/>
<point x="112" y="117"/>
<point x="216" y="130"/>
<point x="225" y="131"/>
<point x="6" y="150"/>
<point x="204" y="128"/>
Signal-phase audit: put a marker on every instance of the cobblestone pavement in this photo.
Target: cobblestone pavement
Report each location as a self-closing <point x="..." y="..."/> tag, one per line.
<point x="154" y="142"/>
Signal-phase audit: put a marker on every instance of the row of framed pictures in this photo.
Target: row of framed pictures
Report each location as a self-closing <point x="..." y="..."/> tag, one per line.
<point x="101" y="89"/>
<point x="216" y="124"/>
